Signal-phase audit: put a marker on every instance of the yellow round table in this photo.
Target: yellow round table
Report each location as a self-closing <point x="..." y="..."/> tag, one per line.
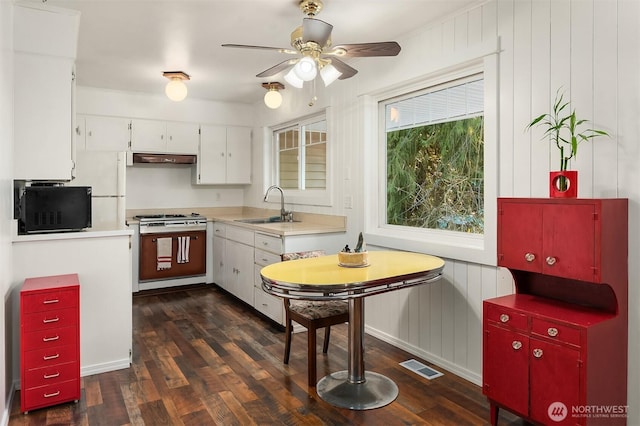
<point x="321" y="278"/>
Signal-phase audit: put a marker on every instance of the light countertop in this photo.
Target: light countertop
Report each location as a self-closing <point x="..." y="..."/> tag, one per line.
<point x="304" y="223"/>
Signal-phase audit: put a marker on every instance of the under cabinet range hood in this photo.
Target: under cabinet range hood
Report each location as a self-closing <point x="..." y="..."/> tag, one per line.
<point x="146" y="158"/>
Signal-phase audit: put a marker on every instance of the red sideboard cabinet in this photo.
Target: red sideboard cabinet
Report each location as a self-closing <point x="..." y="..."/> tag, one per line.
<point x="555" y="352"/>
<point x="50" y="341"/>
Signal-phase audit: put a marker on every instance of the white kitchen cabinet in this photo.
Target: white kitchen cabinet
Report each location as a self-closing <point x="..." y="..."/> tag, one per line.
<point x="43" y="91"/>
<point x="43" y="103"/>
<point x="224" y="155"/>
<point x="238" y="270"/>
<point x="164" y="136"/>
<point x="218" y="254"/>
<point x="268" y="249"/>
<point x="102" y="133"/>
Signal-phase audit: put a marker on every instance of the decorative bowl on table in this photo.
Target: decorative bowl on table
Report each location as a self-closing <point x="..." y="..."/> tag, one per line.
<point x="353" y="259"/>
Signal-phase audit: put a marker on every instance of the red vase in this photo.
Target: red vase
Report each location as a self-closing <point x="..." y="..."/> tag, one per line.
<point x="563" y="184"/>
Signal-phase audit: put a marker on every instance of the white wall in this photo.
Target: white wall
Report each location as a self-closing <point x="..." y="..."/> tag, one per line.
<point x="152" y="186"/>
<point x="589" y="47"/>
<point x="6" y="206"/>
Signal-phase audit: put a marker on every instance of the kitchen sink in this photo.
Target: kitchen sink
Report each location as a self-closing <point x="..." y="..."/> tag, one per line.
<point x="272" y="219"/>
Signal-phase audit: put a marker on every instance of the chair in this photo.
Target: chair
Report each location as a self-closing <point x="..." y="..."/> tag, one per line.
<point x="312" y="315"/>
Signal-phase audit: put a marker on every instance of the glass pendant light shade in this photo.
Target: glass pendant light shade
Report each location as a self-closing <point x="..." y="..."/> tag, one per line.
<point x="273" y="99"/>
<point x="293" y="79"/>
<point x="306" y="69"/>
<point x="176" y="90"/>
<point x="329" y="74"/>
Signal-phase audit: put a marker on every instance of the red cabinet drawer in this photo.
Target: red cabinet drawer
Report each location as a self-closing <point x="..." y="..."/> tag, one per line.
<point x="50" y="338"/>
<point x="50" y="300"/>
<point x="50" y="319"/>
<point x="52" y="374"/>
<point x="556" y="331"/>
<point x="57" y="393"/>
<point x="50" y="356"/>
<point x="505" y="316"/>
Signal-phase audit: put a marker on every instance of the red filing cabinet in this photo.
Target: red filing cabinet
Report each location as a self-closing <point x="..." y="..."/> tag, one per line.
<point x="50" y="341"/>
<point x="555" y="352"/>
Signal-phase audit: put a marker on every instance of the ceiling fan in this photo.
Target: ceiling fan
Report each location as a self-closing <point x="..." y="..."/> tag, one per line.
<point x="311" y="42"/>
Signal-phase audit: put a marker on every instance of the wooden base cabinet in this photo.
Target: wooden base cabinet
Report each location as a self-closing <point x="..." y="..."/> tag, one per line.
<point x="556" y="351"/>
<point x="50" y="341"/>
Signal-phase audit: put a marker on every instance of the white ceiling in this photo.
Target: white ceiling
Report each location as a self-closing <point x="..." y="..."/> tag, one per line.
<point x="127" y="44"/>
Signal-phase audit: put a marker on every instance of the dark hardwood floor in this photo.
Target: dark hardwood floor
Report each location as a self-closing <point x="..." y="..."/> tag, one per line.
<point x="200" y="357"/>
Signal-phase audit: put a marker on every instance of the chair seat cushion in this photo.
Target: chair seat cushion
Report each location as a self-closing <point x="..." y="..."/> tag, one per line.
<point x="319" y="309"/>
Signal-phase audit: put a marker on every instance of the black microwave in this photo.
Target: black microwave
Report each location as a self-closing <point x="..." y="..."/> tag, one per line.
<point x="54" y="209"/>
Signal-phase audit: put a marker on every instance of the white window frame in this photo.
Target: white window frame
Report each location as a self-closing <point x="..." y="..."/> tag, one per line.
<point x="312" y="197"/>
<point x="473" y="248"/>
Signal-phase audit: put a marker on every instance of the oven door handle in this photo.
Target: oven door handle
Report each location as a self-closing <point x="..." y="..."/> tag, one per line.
<point x="195" y="237"/>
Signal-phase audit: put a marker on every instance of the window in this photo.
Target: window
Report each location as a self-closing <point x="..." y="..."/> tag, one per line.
<point x="300" y="160"/>
<point x="435" y="157"/>
<point x="431" y="184"/>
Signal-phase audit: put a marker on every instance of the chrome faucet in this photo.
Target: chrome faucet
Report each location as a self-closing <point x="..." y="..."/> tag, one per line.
<point x="284" y="215"/>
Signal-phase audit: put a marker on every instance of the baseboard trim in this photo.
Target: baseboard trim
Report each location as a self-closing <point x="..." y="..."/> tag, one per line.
<point x="466" y="374"/>
<point x="105" y="367"/>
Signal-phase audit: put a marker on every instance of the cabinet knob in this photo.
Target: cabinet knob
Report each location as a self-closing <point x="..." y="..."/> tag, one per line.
<point x="551" y="260"/>
<point x="537" y="353"/>
<point x="504" y="317"/>
<point x="516" y="344"/>
<point x="529" y="257"/>
<point x="552" y="331"/>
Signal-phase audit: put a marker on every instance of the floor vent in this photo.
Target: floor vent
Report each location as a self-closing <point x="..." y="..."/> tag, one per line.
<point x="421" y="369"/>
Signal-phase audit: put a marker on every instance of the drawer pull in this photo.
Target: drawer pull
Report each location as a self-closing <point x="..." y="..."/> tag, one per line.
<point x="50" y="339"/>
<point x="551" y="260"/>
<point x="51" y="376"/>
<point x="48" y="302"/>
<point x="529" y="257"/>
<point x="50" y="357"/>
<point x="537" y="353"/>
<point x="264" y="243"/>
<point x="265" y="260"/>
<point x="504" y="318"/>
<point x="47" y="321"/>
<point x="51" y="395"/>
<point x="516" y="344"/>
<point x="552" y="331"/>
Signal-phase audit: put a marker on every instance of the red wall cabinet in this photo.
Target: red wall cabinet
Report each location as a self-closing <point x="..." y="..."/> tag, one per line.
<point x="557" y="349"/>
<point x="50" y="341"/>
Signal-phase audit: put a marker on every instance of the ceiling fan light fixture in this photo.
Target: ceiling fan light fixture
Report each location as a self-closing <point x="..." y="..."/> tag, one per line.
<point x="329" y="74"/>
<point x="175" y="89"/>
<point x="293" y="79"/>
<point x="273" y="98"/>
<point x="306" y="69"/>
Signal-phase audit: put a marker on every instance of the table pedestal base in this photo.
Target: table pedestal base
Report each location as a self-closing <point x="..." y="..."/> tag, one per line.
<point x="376" y="391"/>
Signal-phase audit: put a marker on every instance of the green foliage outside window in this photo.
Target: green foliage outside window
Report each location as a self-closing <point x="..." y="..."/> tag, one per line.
<point x="435" y="176"/>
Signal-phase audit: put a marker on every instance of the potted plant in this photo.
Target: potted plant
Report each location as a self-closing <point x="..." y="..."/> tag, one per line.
<point x="562" y="128"/>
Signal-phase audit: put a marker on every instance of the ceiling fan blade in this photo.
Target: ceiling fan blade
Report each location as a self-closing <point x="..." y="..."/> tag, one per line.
<point x="248" y="46"/>
<point x="385" y="48"/>
<point x="346" y="70"/>
<point x="277" y="68"/>
<point x="316" y="30"/>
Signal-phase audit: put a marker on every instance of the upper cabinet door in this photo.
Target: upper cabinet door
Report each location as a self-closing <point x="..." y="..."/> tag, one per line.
<point x="148" y="136"/>
<point x="43" y="147"/>
<point x="212" y="157"/>
<point x="238" y="155"/>
<point x="520" y="236"/>
<point x="106" y="133"/>
<point x="182" y="138"/>
<point x="581" y="239"/>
